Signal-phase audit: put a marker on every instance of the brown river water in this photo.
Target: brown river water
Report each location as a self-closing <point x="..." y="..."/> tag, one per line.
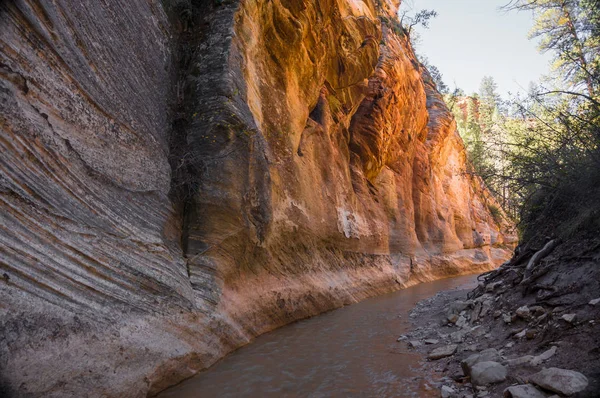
<point x="348" y="352"/>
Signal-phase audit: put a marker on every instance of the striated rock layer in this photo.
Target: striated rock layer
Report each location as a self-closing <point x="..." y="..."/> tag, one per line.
<point x="178" y="177"/>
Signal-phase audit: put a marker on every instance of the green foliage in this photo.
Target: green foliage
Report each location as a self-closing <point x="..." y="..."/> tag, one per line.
<point x="421" y="18"/>
<point x="570" y="30"/>
<point x="436" y="75"/>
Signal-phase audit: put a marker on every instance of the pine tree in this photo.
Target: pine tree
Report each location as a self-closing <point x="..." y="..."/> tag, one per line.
<point x="489" y="104"/>
<point x="568" y="28"/>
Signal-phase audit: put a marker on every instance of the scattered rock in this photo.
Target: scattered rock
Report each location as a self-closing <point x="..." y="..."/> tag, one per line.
<point x="531" y="333"/>
<point x="488" y="372"/>
<point x="452" y="318"/>
<point x="561" y="381"/>
<point x="448" y="392"/>
<point x="543" y="356"/>
<point x="491" y="354"/>
<point x="523" y="312"/>
<point x="471" y="347"/>
<point x="461" y="322"/>
<point x="458" y="337"/>
<point x="541" y="318"/>
<point x="520" y="361"/>
<point x="431" y="341"/>
<point x="476" y="311"/>
<point x="456" y="307"/>
<point x="486" y="305"/>
<point x="507" y="318"/>
<point x="402" y="338"/>
<point x="497" y="314"/>
<point x="510" y="344"/>
<point x="537" y="310"/>
<point x="594" y="301"/>
<point x="523" y="391"/>
<point x="415" y="343"/>
<point x="570" y="318"/>
<point x="492" y="286"/>
<point x="521" y="334"/>
<point x="478" y="331"/>
<point x="442" y="352"/>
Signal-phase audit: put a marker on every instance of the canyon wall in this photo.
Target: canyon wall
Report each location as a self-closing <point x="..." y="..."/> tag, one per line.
<point x="178" y="177"/>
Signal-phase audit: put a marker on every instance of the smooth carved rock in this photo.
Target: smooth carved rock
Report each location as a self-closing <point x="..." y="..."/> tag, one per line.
<point x="562" y="381"/>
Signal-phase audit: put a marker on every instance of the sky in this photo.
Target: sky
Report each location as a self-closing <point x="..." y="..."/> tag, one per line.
<point x="470" y="39"/>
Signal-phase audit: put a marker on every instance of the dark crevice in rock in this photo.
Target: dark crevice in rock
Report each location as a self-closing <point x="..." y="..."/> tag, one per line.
<point x="188" y="20"/>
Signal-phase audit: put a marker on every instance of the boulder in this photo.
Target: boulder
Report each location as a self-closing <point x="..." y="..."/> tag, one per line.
<point x="594" y="301"/>
<point x="488" y="372"/>
<point x="442" y="352"/>
<point x="523" y="391"/>
<point x="491" y="354"/>
<point x="561" y="381"/>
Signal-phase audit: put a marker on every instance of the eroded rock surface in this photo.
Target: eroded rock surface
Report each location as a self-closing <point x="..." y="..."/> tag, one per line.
<point x="178" y="177"/>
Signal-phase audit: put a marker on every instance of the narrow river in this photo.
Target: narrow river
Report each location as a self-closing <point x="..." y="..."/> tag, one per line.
<point x="349" y="352"/>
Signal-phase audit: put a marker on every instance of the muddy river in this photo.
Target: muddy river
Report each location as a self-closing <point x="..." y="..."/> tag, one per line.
<point x="349" y="352"/>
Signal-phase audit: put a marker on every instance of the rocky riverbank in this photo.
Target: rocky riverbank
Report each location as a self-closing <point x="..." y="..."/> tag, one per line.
<point x="503" y="340"/>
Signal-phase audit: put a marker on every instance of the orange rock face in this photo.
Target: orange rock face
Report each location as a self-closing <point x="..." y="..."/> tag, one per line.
<point x="313" y="164"/>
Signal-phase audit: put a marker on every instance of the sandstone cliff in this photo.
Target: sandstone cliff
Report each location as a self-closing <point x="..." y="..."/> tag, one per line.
<point x="179" y="177"/>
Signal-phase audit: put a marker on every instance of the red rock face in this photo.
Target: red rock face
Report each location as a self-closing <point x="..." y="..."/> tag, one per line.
<point x="313" y="164"/>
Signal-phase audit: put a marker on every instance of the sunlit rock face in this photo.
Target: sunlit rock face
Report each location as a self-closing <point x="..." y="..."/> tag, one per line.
<point x="179" y="177"/>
